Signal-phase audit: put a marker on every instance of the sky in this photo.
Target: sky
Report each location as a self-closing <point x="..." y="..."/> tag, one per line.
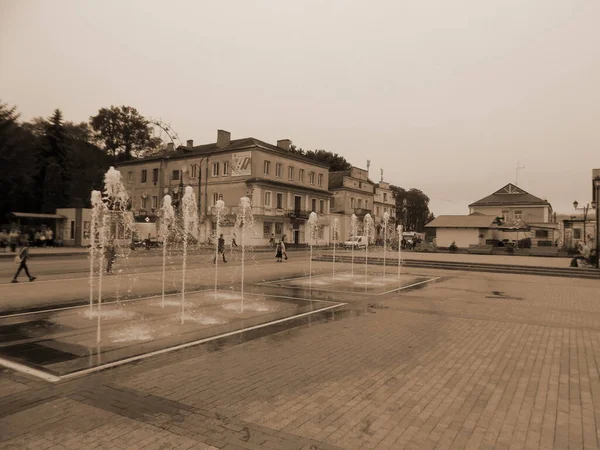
<point x="445" y="96"/>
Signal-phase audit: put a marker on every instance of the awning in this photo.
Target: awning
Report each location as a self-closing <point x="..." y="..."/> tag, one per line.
<point x="19" y="215"/>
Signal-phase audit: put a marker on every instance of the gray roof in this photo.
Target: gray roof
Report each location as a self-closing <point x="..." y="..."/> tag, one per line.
<point x="473" y="221"/>
<point x="234" y="144"/>
<point x="510" y="195"/>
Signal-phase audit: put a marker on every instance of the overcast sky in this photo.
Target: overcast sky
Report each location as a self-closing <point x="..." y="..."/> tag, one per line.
<point x="445" y="96"/>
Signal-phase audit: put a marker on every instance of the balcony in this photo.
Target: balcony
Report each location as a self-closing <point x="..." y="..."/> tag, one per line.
<point x="266" y="211"/>
<point x="361" y="211"/>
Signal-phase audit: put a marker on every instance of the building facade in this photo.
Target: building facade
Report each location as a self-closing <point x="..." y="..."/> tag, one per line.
<point x="352" y="194"/>
<point x="383" y="202"/>
<point x="283" y="187"/>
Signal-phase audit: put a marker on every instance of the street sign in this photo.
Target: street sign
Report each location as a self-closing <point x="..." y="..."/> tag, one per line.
<point x="147" y="219"/>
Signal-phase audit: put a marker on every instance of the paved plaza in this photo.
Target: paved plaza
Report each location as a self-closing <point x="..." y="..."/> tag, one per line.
<point x="467" y="360"/>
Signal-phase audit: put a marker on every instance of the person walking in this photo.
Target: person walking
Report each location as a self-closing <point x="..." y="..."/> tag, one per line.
<point x="21" y="260"/>
<point x="13" y="239"/>
<point x="233" y="243"/>
<point x="220" y="249"/>
<point x="283" y="252"/>
<point x="111" y="256"/>
<point x="278" y="251"/>
<point x="3" y="240"/>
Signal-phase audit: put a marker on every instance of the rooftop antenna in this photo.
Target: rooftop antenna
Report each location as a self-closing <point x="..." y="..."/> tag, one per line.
<point x="519" y="167"/>
<point x="381" y="175"/>
<point x="368" y="165"/>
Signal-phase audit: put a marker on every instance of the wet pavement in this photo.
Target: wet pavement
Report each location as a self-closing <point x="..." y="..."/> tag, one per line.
<point x="469" y="360"/>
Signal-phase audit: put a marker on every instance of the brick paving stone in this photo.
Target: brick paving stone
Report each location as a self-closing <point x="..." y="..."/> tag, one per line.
<point x="441" y="367"/>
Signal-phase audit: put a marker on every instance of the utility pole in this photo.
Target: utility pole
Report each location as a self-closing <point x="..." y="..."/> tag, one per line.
<point x="519" y="167"/>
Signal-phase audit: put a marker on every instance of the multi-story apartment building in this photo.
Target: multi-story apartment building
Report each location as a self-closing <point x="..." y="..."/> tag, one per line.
<point x="384" y="202"/>
<point x="284" y="187"/>
<point x="352" y="194"/>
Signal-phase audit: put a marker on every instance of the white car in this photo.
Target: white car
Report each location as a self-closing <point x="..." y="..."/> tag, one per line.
<point x="356" y="242"/>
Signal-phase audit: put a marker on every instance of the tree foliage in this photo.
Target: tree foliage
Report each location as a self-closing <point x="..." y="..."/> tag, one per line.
<point x="333" y="160"/>
<point x="412" y="208"/>
<point x="123" y="131"/>
<point x="47" y="163"/>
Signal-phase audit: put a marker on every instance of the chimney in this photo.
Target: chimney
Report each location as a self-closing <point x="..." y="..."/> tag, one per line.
<point x="190" y="143"/>
<point x="284" y="144"/>
<point x="170" y="147"/>
<point x="223" y="138"/>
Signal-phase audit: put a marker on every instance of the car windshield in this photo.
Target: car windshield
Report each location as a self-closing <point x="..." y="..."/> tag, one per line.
<point x="355" y="238"/>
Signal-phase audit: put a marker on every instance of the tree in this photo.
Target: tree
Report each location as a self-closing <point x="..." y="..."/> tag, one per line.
<point x="412" y="208"/>
<point x="333" y="160"/>
<point x="54" y="193"/>
<point x="17" y="164"/>
<point x="123" y="130"/>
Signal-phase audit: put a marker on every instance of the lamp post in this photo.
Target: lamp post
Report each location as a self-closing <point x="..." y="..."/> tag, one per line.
<point x="585" y="210"/>
<point x="596" y="205"/>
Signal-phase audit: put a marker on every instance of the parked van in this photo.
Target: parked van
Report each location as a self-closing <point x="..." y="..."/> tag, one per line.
<point x="356" y="242"/>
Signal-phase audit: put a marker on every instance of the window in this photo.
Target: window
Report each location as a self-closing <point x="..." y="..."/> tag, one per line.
<point x="154" y="201"/>
<point x="72" y="234"/>
<point x="144" y="175"/>
<point x="278" y="170"/>
<point x="332" y="202"/>
<point x="576" y="233"/>
<point x="314" y="205"/>
<point x="217" y="197"/>
<point x="291" y="173"/>
<point x="267" y="167"/>
<point x="278" y="228"/>
<point x="155" y="176"/>
<point x="377" y="210"/>
<point x="322" y="206"/>
<point x="366" y="204"/>
<point x="505" y="215"/>
<point x="268" y="199"/>
<point x="225" y="168"/>
<point x="301" y="175"/>
<point x="129" y="176"/>
<point x="320" y="179"/>
<point x="321" y="232"/>
<point x="384" y="197"/>
<point x="216" y="167"/>
<point x="384" y="210"/>
<point x="352" y="202"/>
<point x="360" y="202"/>
<point x="279" y="200"/>
<point x="311" y="178"/>
<point x="267" y="227"/>
<point x="541" y="233"/>
<point x="144" y="203"/>
<point x="175" y="175"/>
<point x="518" y="215"/>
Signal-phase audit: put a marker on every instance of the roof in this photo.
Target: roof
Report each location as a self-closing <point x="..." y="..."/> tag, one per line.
<point x="510" y="195"/>
<point x="234" y="144"/>
<point x="20" y="215"/>
<point x="478" y="221"/>
<point x="286" y="185"/>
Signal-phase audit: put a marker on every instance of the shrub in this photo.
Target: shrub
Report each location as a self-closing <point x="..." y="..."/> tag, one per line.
<point x="453" y="247"/>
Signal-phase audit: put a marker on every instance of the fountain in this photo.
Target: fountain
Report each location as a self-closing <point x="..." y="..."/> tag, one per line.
<point x="112" y="215"/>
<point x="190" y="225"/>
<point x="336" y="235"/>
<point x="368" y="231"/>
<point x="313" y="225"/>
<point x="97" y="206"/>
<point x="219" y="211"/>
<point x="166" y="224"/>
<point x="399" y="228"/>
<point x="353" y="232"/>
<point x="386" y="218"/>
<point x="244" y="221"/>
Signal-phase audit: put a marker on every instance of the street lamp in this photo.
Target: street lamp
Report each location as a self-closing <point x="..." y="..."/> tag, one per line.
<point x="596" y="205"/>
<point x="585" y="210"/>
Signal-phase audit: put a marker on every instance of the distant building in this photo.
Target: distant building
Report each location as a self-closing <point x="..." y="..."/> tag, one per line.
<point x="384" y="202"/>
<point x="284" y="187"/>
<point x="352" y="194"/>
<point x="507" y="215"/>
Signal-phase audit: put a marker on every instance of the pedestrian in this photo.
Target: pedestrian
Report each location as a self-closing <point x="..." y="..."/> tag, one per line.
<point x="111" y="256"/>
<point x="583" y="258"/>
<point x="50" y="237"/>
<point x="278" y="251"/>
<point x="220" y="249"/>
<point x="21" y="260"/>
<point x="283" y="252"/>
<point x="233" y="243"/>
<point x="272" y="240"/>
<point x="3" y="240"/>
<point x="13" y="239"/>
